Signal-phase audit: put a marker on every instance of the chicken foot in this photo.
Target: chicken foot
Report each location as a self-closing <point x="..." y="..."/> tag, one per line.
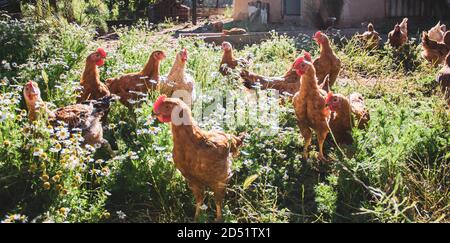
<point x="198" y="192"/>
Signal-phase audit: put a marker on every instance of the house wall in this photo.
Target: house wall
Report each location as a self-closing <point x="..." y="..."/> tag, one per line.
<point x="276" y="10"/>
<point x="354" y="11"/>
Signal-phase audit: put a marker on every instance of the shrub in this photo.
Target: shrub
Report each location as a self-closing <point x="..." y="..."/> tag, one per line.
<point x="17" y="38"/>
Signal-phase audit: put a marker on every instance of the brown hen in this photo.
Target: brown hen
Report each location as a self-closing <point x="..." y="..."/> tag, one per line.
<point x="340" y="119"/>
<point x="229" y="61"/>
<point x="327" y="64"/>
<point x="435" y="52"/>
<point x="93" y="88"/>
<point x="288" y="84"/>
<point x="128" y="85"/>
<point x="443" y="79"/>
<point x="371" y="38"/>
<point x="86" y="116"/>
<point x="437" y="32"/>
<point x="202" y="157"/>
<point x="399" y="36"/>
<point x="178" y="82"/>
<point x="345" y="114"/>
<point x="309" y="105"/>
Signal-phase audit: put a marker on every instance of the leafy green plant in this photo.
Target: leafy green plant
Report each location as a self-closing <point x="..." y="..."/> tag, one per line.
<point x="396" y="171"/>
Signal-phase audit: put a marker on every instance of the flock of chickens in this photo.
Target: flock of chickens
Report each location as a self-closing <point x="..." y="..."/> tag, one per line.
<point x="204" y="157"/>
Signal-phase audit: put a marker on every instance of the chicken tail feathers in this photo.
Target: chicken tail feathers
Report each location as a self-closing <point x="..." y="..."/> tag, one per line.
<point x="102" y="105"/>
<point x="236" y="142"/>
<point x="426" y="40"/>
<point x="325" y="85"/>
<point x="404" y="25"/>
<point x="447" y="38"/>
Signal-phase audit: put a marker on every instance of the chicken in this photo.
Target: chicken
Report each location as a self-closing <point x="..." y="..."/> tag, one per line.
<point x="399" y="36"/>
<point x="288" y="84"/>
<point x="359" y="110"/>
<point x="443" y="79"/>
<point x="437" y="32"/>
<point x="178" y="82"/>
<point x="202" y="157"/>
<point x="36" y="107"/>
<point x="343" y="113"/>
<point x="341" y="118"/>
<point x="147" y="79"/>
<point x="435" y="52"/>
<point x="234" y="31"/>
<point x="85" y="116"/>
<point x="229" y="61"/>
<point x="371" y="38"/>
<point x="327" y="63"/>
<point x="309" y="105"/>
<point x="93" y="88"/>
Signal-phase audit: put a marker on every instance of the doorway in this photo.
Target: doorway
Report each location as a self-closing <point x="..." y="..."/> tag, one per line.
<point x="292" y="7"/>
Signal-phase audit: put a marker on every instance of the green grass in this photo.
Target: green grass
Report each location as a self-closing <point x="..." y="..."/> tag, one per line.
<point x="397" y="170"/>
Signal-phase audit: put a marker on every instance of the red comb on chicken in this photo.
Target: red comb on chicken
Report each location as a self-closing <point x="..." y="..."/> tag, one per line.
<point x="102" y="52"/>
<point x="299" y="61"/>
<point x="329" y="96"/>
<point x="317" y="34"/>
<point x="328" y="105"/>
<point x="307" y="56"/>
<point x="93" y="88"/>
<point x="184" y="54"/>
<point x="158" y="102"/>
<point x="156" y="105"/>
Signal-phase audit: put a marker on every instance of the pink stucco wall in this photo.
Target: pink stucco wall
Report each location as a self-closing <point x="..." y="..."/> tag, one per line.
<point x="358" y="11"/>
<point x="276" y="10"/>
<point x="354" y="11"/>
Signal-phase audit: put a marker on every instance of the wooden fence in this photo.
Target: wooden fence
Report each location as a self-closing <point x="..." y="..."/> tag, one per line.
<point x="417" y="8"/>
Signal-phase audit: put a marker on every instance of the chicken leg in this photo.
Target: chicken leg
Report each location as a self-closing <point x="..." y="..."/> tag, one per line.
<point x="219" y="195"/>
<point x="198" y="192"/>
<point x="307" y="135"/>
<point x="321" y="139"/>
